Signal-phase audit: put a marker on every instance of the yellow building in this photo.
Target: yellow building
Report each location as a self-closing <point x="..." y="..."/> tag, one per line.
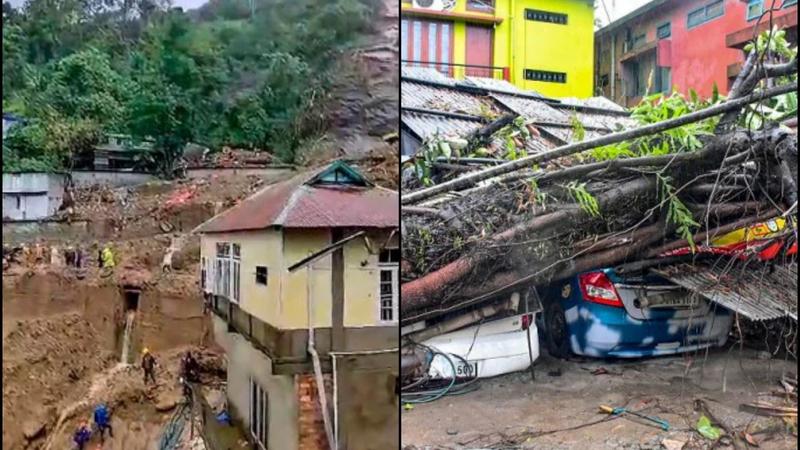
<point x="315" y="256"/>
<point x="541" y="45"/>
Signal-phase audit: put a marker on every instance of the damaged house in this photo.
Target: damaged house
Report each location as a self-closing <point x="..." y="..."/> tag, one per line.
<point x="557" y="207"/>
<point x="303" y="281"/>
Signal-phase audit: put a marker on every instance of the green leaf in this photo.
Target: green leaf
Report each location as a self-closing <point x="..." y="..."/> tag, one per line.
<point x="707" y="430"/>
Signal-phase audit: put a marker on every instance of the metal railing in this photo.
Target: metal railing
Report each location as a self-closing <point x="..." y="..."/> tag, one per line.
<point x="459" y="71"/>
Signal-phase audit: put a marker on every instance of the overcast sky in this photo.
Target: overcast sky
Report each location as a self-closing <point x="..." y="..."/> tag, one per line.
<point x="616" y="8"/>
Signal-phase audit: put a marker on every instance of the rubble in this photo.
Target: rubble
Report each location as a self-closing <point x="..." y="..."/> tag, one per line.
<point x="472" y="237"/>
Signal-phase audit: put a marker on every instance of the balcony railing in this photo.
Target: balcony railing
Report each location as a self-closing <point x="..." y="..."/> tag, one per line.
<point x="459" y="71"/>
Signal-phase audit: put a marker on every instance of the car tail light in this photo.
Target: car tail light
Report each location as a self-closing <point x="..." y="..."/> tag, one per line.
<point x="597" y="288"/>
<point x="527" y="320"/>
<point x="792" y="250"/>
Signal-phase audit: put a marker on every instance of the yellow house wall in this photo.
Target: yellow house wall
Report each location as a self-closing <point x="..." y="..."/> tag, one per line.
<point x="520" y="44"/>
<point x="552" y="47"/>
<point x="258" y="248"/>
<point x="283" y="303"/>
<point x="299" y="244"/>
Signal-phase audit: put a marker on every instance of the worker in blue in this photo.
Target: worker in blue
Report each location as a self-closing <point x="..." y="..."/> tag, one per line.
<point x="82" y="435"/>
<point x="102" y="421"/>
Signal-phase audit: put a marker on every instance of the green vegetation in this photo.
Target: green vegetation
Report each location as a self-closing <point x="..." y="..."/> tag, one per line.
<point x="217" y="76"/>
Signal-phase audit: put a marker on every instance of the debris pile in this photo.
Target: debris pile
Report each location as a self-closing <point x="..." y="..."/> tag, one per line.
<point x="663" y="192"/>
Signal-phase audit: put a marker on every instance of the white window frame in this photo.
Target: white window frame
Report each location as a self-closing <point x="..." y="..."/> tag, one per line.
<point x="393" y="268"/>
<point x="203" y="274"/>
<point x="228" y="271"/>
<point x="258" y="414"/>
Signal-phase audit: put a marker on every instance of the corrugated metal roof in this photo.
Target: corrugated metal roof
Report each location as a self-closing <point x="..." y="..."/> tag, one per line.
<point x="419" y="95"/>
<point x="593" y="102"/>
<point x="426" y="74"/>
<point x="498" y="86"/>
<point x="297" y="204"/>
<point x="532" y="108"/>
<point x="428" y="125"/>
<point x="758" y="292"/>
<point x="610" y="122"/>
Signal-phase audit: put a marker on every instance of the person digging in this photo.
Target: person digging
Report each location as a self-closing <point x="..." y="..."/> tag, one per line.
<point x="149" y="366"/>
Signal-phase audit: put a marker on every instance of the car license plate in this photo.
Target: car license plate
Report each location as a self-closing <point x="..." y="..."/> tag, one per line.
<point x="468" y="370"/>
<point x="673" y="300"/>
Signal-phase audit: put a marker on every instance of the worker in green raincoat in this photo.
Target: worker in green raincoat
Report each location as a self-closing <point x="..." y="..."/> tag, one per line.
<point x="108" y="258"/>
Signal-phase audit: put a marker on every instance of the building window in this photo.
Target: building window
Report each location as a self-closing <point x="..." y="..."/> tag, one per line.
<point x="261" y="275"/>
<point x="543" y="75"/>
<point x="754" y="9"/>
<point x="788" y="3"/>
<point x="639" y="41"/>
<point x="259" y="414"/>
<point x="389" y="282"/>
<point x="203" y="273"/>
<point x="663" y="80"/>
<point x="664" y="31"/>
<point x="435" y="52"/>
<point x="545" y="16"/>
<point x="481" y="5"/>
<point x="706" y="13"/>
<point x="237" y="272"/>
<point x="227" y="271"/>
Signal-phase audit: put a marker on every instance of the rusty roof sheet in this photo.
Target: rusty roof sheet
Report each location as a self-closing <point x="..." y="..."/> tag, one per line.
<point x="296" y="204"/>
<point x="424" y="96"/>
<point x="428" y="125"/>
<point x="758" y="292"/>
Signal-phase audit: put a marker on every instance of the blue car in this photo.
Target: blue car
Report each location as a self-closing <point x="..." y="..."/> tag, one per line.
<point x="603" y="314"/>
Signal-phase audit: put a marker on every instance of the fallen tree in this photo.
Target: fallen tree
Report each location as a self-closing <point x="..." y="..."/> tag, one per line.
<point x="499" y="229"/>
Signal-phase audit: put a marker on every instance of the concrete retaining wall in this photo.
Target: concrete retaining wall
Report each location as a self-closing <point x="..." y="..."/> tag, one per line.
<point x="259" y="171"/>
<point x="111" y="178"/>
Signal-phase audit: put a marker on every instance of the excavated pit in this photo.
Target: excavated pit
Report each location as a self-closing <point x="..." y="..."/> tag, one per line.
<point x="63" y="343"/>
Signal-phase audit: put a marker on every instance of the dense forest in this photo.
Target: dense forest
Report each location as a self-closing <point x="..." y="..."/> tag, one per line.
<point x="248" y="75"/>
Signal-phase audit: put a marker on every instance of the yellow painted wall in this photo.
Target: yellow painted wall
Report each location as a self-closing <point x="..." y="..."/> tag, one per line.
<point x="521" y="44"/>
<point x="299" y="244"/>
<point x="283" y="302"/>
<point x="258" y="248"/>
<point x="361" y="285"/>
<point x="557" y="48"/>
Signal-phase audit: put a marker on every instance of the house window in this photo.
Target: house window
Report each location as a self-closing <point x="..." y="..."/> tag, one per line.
<point x="663" y="80"/>
<point x="427" y="43"/>
<point x="481" y="5"/>
<point x="754" y="9"/>
<point x="227" y="270"/>
<point x="259" y="414"/>
<point x="787" y="3"/>
<point x="639" y="41"/>
<point x="545" y="16"/>
<point x="261" y="275"/>
<point x="664" y="31"/>
<point x="706" y="13"/>
<point x="389" y="282"/>
<point x="237" y="272"/>
<point x="543" y="75"/>
<point x="203" y="273"/>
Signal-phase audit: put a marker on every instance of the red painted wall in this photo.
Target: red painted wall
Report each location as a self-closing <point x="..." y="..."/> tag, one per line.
<point x="699" y="57"/>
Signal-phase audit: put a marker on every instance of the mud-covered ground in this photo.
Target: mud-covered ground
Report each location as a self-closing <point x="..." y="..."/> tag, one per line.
<point x="566" y="396"/>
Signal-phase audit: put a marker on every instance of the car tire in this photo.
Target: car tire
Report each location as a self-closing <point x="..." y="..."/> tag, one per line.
<point x="556" y="331"/>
